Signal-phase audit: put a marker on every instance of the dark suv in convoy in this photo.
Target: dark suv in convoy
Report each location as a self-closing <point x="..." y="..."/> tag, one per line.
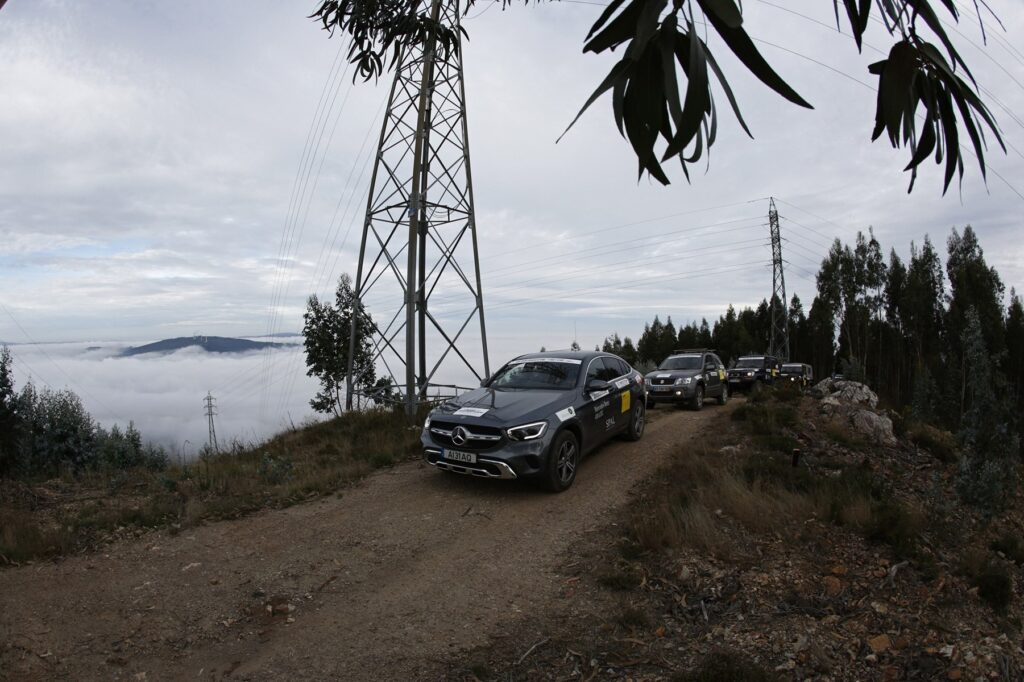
<point x="749" y="369"/>
<point x="536" y="417"/>
<point x="797" y="372"/>
<point x="688" y="377"/>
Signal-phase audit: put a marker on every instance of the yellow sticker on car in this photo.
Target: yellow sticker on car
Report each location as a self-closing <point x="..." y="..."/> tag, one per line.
<point x="721" y="375"/>
<point x="625" y="401"/>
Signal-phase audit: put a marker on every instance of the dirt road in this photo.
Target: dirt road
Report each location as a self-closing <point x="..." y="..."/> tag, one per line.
<point x="386" y="581"/>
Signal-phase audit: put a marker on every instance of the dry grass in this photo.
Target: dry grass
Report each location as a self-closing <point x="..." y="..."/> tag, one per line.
<point x="66" y="514"/>
<point x="705" y="496"/>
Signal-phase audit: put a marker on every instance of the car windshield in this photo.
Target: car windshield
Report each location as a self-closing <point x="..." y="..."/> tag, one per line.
<point x="796" y="369"/>
<point x="750" y="362"/>
<point x="543" y="373"/>
<point x="681" y="362"/>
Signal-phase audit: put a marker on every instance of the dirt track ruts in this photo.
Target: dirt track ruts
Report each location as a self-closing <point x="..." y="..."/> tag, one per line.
<point x="387" y="581"/>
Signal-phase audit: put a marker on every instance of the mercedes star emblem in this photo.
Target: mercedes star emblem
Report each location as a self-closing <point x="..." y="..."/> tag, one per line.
<point x="460" y="435"/>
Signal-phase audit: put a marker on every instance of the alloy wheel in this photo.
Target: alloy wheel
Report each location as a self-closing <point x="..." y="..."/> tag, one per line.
<point x="567" y="462"/>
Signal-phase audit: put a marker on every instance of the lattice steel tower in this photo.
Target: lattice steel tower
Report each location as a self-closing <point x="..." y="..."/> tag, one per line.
<point x="211" y="411"/>
<point x="779" y="343"/>
<point x="419" y="242"/>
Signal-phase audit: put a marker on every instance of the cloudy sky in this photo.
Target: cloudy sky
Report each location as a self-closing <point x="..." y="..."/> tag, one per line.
<point x="150" y="151"/>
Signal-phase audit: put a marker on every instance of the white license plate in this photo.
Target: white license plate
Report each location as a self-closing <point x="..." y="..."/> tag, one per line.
<point x="662" y="388"/>
<point x="734" y="381"/>
<point x="460" y="456"/>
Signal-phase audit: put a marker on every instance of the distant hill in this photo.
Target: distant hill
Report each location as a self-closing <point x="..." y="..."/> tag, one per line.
<point x="211" y="344"/>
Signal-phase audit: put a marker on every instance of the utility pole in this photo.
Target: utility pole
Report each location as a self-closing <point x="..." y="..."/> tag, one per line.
<point x="778" y="345"/>
<point x="211" y="409"/>
<point x="421" y="202"/>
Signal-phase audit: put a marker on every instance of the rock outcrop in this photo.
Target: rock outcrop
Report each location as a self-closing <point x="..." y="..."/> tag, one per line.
<point x="855" y="403"/>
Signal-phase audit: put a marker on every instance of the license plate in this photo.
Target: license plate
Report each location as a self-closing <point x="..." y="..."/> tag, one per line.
<point x="734" y="381"/>
<point x="662" y="388"/>
<point x="460" y="456"/>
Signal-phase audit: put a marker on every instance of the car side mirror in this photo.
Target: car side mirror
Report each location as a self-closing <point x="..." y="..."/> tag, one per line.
<point x="483" y="382"/>
<point x="596" y="385"/>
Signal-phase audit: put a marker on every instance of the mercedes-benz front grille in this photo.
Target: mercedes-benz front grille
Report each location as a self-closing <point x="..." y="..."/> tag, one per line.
<point x="465" y="437"/>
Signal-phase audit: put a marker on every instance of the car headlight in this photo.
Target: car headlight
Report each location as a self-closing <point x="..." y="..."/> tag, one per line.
<point x="750" y="374"/>
<point x="527" y="431"/>
<point x="685" y="381"/>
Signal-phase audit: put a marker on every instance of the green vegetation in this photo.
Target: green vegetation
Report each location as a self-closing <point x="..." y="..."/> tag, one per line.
<point x="296" y="465"/>
<point x="939" y="344"/>
<point x="327" y="336"/>
<point x="46" y="433"/>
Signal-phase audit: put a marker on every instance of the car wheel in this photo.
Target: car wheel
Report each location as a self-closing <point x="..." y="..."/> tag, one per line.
<point x="637" y="422"/>
<point x="698" y="399"/>
<point x="562" y="463"/>
<point x="724" y="397"/>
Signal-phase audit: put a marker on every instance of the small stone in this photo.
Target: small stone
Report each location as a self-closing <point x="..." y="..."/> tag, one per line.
<point x="833" y="586"/>
<point x="879" y="607"/>
<point x="840" y="570"/>
<point x="284" y="608"/>
<point x="880" y="644"/>
<point x="947" y="651"/>
<point x="890" y="673"/>
<point x="954" y="674"/>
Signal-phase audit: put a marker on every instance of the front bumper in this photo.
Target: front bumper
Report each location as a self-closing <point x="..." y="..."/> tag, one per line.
<point x="742" y="381"/>
<point x="671" y="393"/>
<point x="509" y="460"/>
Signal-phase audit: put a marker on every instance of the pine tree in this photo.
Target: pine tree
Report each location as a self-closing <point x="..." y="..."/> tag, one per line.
<point x="9" y="423"/>
<point x="991" y="450"/>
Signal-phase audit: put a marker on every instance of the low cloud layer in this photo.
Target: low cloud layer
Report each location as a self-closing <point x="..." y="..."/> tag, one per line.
<point x="163" y="394"/>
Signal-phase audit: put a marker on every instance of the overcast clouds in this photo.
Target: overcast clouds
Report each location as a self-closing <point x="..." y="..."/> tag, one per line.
<point x="149" y="149"/>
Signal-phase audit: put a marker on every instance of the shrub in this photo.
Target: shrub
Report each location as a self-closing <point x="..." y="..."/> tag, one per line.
<point x="941" y="444"/>
<point x="726" y="666"/>
<point x="1010" y="546"/>
<point x="893" y="524"/>
<point x="623" y="581"/>
<point x="995" y="587"/>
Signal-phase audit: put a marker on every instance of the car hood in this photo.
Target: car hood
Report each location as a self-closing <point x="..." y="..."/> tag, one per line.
<point x="503" y="408"/>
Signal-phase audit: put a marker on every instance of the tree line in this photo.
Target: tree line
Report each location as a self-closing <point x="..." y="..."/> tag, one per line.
<point x="941" y="344"/>
<point x="46" y="432"/>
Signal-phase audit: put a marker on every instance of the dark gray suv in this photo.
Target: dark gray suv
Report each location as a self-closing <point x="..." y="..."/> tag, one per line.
<point x="688" y="377"/>
<point x="536" y="417"/>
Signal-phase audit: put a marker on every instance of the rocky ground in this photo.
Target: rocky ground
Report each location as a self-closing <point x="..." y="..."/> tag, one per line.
<point x="909" y="595"/>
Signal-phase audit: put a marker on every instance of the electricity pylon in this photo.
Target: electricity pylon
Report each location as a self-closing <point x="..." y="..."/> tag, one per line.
<point x="211" y="409"/>
<point x="779" y="343"/>
<point x="420" y="210"/>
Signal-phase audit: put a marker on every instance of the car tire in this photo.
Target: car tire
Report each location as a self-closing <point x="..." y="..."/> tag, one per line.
<point x="563" y="461"/>
<point x="637" y="422"/>
<point x="723" y="397"/>
<point x="698" y="399"/>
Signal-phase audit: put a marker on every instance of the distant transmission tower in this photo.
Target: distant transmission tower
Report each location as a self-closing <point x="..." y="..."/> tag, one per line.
<point x="211" y="410"/>
<point x="419" y="237"/>
<point x="779" y="342"/>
